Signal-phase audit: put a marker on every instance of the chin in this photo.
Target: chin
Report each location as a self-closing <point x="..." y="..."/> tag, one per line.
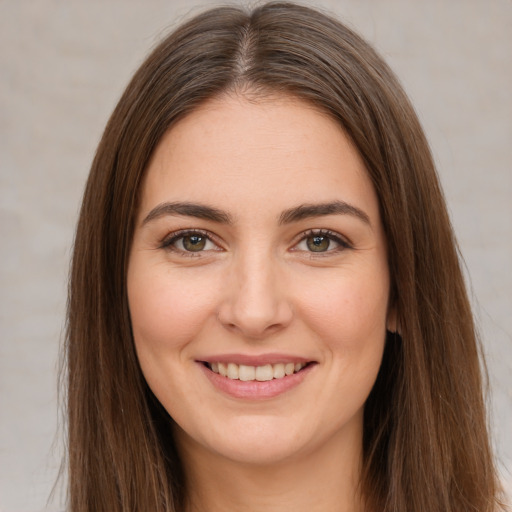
<point x="259" y="451"/>
<point x="262" y="440"/>
<point x="253" y="440"/>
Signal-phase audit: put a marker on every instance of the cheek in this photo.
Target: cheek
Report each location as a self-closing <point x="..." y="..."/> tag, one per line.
<point x="167" y="312"/>
<point x="348" y="309"/>
<point x="167" y="309"/>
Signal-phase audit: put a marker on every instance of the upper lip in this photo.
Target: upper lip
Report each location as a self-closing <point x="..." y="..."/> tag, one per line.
<point x="254" y="360"/>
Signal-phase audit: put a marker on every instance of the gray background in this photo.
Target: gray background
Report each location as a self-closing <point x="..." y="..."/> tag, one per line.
<point x="63" y="65"/>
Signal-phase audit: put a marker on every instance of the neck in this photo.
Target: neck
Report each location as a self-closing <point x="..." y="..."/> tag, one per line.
<point x="324" y="480"/>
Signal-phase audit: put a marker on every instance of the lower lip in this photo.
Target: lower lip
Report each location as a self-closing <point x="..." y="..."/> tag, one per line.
<point x="256" y="390"/>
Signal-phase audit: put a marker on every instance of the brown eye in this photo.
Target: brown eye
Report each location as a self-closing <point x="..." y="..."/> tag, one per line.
<point x="194" y="243"/>
<point x="318" y="243"/>
<point x="322" y="242"/>
<point x="190" y="242"/>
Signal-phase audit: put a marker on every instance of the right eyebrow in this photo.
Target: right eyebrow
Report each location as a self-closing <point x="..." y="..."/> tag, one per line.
<point x="199" y="211"/>
<point x="305" y="211"/>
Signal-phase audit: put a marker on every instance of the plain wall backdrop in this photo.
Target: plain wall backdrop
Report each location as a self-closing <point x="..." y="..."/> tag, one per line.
<point x="63" y="66"/>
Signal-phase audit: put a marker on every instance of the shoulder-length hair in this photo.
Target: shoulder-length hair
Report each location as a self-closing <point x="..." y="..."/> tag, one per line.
<point x="425" y="439"/>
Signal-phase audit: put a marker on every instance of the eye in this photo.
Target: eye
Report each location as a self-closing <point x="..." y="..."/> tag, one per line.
<point x="190" y="242"/>
<point x="321" y="241"/>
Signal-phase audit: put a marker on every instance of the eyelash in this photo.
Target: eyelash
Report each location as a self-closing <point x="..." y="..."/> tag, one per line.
<point x="331" y="235"/>
<point x="170" y="240"/>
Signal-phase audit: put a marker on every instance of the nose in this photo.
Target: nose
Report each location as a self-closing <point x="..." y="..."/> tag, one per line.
<point x="255" y="301"/>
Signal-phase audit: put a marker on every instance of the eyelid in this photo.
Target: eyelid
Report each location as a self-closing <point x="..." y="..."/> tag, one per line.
<point x="168" y="241"/>
<point x="333" y="235"/>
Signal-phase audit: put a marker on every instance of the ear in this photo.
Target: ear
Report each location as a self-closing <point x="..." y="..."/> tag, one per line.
<point x="392" y="320"/>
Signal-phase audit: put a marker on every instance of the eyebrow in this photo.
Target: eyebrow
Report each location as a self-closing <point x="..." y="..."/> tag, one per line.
<point x="306" y="211"/>
<point x="199" y="211"/>
<point x="303" y="211"/>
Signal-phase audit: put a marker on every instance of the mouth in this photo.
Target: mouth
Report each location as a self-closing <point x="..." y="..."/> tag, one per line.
<point x="262" y="373"/>
<point x="255" y="378"/>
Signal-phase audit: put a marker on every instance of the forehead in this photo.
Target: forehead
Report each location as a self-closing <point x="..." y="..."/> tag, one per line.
<point x="276" y="151"/>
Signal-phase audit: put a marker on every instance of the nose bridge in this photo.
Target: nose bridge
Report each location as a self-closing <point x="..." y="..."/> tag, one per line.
<point x="256" y="302"/>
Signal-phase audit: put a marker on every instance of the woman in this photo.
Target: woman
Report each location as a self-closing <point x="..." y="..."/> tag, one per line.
<point x="266" y="305"/>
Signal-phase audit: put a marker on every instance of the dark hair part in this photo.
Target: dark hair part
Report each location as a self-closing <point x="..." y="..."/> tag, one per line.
<point x="426" y="444"/>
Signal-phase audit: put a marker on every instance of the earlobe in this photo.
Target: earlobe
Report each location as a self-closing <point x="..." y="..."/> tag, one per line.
<point x="392" y="321"/>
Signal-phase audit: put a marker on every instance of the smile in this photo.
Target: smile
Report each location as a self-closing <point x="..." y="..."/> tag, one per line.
<point x="255" y="378"/>
<point x="262" y="373"/>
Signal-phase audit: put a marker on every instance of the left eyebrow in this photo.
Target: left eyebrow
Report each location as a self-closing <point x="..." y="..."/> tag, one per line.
<point x="199" y="211"/>
<point x="305" y="211"/>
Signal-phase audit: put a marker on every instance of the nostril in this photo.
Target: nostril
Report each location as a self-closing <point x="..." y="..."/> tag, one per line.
<point x="255" y="315"/>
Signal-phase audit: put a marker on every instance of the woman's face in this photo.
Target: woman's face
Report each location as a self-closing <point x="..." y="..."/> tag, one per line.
<point x="259" y="252"/>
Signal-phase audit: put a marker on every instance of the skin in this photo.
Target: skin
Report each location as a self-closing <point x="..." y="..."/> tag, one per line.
<point x="258" y="288"/>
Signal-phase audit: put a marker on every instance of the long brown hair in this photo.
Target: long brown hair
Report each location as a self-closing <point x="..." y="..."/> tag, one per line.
<point x="426" y="444"/>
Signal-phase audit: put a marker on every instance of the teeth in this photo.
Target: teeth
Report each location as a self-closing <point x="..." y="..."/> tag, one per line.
<point x="278" y="371"/>
<point x="232" y="371"/>
<point x="260" y="373"/>
<point x="264" y="373"/>
<point x="246" y="372"/>
<point x="223" y="369"/>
